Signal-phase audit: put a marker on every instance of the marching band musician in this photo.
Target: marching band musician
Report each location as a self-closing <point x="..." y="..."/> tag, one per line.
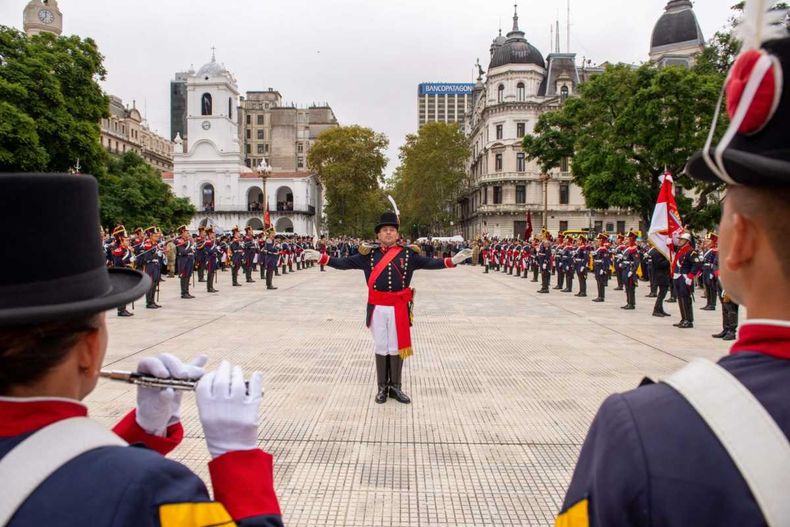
<point x="60" y="468"/>
<point x="212" y="258"/>
<point x="236" y="256"/>
<point x="248" y="244"/>
<point x="581" y="259"/>
<point x="185" y="249"/>
<point x="200" y="253"/>
<point x="149" y="261"/>
<point x="602" y="261"/>
<point x="629" y="263"/>
<point x="122" y="257"/>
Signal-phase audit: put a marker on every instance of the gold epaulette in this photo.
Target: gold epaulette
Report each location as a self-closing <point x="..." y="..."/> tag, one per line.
<point x="416" y="248"/>
<point x="365" y="249"/>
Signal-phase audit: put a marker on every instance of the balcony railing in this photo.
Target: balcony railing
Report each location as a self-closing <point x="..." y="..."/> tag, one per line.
<point x="513" y="208"/>
<point x="309" y="210"/>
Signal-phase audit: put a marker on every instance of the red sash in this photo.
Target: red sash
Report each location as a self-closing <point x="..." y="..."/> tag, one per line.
<point x="399" y="300"/>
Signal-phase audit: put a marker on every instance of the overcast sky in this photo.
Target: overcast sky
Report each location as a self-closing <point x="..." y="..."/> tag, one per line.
<point x="364" y="57"/>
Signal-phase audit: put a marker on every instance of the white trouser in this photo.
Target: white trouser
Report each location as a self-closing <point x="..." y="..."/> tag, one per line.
<point x="382" y="325"/>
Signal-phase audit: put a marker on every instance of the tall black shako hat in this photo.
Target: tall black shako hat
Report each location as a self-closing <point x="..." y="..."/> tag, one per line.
<point x="755" y="149"/>
<point x="66" y="277"/>
<point x="389" y="218"/>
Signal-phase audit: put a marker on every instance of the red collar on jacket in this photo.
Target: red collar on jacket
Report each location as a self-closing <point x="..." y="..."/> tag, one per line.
<point x="771" y="337"/>
<point x="23" y="415"/>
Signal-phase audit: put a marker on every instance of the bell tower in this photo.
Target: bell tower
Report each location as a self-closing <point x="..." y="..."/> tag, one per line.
<point x="42" y="16"/>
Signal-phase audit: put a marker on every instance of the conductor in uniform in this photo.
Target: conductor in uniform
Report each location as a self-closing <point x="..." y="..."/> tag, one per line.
<point x="389" y="267"/>
<point x="708" y="446"/>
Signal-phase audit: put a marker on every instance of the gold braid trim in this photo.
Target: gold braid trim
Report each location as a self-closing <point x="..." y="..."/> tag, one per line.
<point x="405" y="353"/>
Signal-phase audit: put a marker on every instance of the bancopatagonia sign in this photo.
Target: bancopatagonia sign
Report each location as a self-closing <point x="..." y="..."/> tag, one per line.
<point x="445" y="88"/>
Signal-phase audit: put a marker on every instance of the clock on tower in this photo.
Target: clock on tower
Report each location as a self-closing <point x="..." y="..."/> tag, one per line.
<point x="42" y="16"/>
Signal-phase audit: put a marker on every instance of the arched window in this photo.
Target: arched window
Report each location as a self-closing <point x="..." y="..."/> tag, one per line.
<point x="500" y="96"/>
<point x="521" y="91"/>
<point x="205" y="104"/>
<point x="564" y="92"/>
<point x="207" y="196"/>
<point x="230" y="108"/>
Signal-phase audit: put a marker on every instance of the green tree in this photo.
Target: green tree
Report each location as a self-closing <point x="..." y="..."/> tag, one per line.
<point x="135" y="195"/>
<point x="430" y="176"/>
<point x="51" y="103"/>
<point x="350" y="161"/>
<point x="624" y="128"/>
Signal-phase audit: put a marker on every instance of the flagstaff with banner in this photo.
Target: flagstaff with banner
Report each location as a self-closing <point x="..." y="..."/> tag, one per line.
<point x="666" y="223"/>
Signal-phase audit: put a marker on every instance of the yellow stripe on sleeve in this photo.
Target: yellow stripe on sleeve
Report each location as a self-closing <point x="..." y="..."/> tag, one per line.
<point x="576" y="516"/>
<point x="202" y="514"/>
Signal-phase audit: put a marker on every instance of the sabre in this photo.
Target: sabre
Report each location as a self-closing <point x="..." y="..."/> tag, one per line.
<point x="139" y="379"/>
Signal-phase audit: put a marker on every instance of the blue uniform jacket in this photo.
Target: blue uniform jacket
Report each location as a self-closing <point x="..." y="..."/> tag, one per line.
<point x="398" y="274"/>
<point x="185" y="252"/>
<point x="649" y="458"/>
<point x="126" y="487"/>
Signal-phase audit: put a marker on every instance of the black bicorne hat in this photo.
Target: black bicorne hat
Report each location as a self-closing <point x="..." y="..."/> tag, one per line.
<point x="66" y="277"/>
<point x="755" y="150"/>
<point x="388" y="219"/>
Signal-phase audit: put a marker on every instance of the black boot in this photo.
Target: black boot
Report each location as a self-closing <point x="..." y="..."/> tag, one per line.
<point x="123" y="312"/>
<point x="269" y="273"/>
<point x="721" y="334"/>
<point x="381" y="378"/>
<point x="395" y="367"/>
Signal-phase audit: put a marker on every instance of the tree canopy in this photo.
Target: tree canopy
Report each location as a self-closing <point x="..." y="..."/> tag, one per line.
<point x="430" y="176"/>
<point x="51" y="103"/>
<point x="135" y="195"/>
<point x="350" y="162"/>
<point x="51" y="106"/>
<point x="626" y="126"/>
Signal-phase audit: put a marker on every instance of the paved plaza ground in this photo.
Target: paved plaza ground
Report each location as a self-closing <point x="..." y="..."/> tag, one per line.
<point x="504" y="384"/>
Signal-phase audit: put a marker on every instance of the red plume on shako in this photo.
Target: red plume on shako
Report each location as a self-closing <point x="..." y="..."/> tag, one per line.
<point x="755" y="148"/>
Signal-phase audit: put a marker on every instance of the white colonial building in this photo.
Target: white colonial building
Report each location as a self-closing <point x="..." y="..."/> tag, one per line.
<point x="209" y="169"/>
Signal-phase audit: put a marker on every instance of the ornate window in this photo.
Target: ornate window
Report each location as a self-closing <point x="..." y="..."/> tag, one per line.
<point x="520" y="163"/>
<point x="564" y="193"/>
<point x="500" y="96"/>
<point x="564" y="92"/>
<point x="498" y="162"/>
<point x="521" y="91"/>
<point x="230" y="108"/>
<point x="205" y="104"/>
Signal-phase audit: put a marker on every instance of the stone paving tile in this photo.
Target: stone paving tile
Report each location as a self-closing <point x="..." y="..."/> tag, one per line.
<point x="505" y="383"/>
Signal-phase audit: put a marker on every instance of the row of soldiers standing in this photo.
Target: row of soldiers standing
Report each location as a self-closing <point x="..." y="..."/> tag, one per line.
<point x="626" y="260"/>
<point x="204" y="254"/>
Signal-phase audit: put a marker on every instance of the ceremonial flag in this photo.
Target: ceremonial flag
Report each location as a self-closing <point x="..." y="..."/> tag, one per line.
<point x="528" y="229"/>
<point x="267" y="221"/>
<point x="665" y="223"/>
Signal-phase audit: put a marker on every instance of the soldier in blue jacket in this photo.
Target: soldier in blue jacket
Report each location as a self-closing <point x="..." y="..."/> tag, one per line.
<point x="652" y="456"/>
<point x="686" y="266"/>
<point x="61" y="469"/>
<point x="149" y="259"/>
<point x="249" y="253"/>
<point x="388" y="269"/>
<point x="581" y="262"/>
<point x="185" y="249"/>
<point x="200" y="253"/>
<point x="602" y="261"/>
<point x="212" y="258"/>
<point x="270" y="255"/>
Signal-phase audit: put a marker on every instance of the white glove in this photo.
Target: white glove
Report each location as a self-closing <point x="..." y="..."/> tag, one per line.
<point x="312" y="255"/>
<point x="687" y="280"/>
<point x="462" y="256"/>
<point x="228" y="413"/>
<point x="630" y="274"/>
<point x="544" y="266"/>
<point x="156" y="408"/>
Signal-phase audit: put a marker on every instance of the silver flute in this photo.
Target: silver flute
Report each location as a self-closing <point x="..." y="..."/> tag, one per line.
<point x="148" y="381"/>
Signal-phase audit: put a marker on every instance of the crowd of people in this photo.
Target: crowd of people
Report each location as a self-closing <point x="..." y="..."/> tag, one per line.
<point x="204" y="254"/>
<point x="626" y="259"/>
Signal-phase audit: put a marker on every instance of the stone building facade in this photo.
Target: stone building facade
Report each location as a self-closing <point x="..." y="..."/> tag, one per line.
<point x="503" y="186"/>
<point x="125" y="130"/>
<point x="281" y="134"/>
<point x="210" y="169"/>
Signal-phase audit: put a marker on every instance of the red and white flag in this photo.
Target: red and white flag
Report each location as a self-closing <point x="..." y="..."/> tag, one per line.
<point x="665" y="224"/>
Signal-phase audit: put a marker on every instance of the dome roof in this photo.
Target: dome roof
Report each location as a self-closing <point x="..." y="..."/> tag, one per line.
<point x="212" y="69"/>
<point x="515" y="49"/>
<point x="678" y="24"/>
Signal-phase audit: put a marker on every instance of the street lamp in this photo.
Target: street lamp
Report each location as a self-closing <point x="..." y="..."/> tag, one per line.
<point x="264" y="171"/>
